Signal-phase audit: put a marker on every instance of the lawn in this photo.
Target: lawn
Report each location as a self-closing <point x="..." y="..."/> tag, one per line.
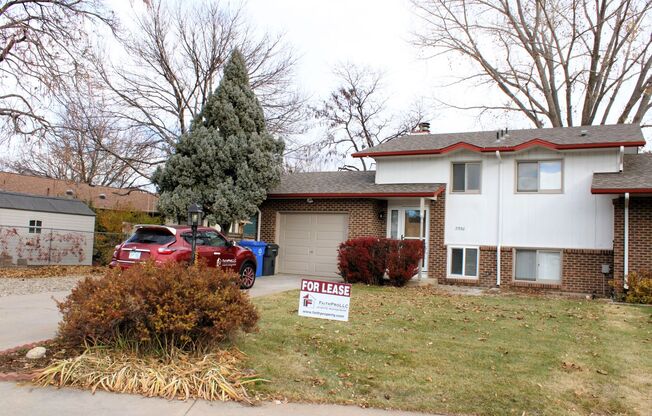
<point x="417" y="349"/>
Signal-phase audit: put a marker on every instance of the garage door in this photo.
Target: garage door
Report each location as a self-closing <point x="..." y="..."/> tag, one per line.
<point x="309" y="242"/>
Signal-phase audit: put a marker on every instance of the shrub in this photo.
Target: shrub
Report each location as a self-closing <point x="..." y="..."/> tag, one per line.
<point x="403" y="259"/>
<point x="363" y="260"/>
<point x="640" y="287"/>
<point x="171" y="306"/>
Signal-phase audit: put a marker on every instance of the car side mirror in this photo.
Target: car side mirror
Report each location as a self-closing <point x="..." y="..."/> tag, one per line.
<point x="230" y="243"/>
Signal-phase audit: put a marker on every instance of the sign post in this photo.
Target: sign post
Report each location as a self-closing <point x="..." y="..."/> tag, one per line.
<point x="324" y="300"/>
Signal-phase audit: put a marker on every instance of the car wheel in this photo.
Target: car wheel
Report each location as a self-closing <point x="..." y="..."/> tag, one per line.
<point x="247" y="276"/>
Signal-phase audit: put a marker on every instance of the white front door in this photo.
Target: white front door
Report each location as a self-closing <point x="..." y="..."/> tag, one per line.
<point x="407" y="223"/>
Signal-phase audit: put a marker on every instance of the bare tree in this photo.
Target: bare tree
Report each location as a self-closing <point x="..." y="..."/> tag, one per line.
<point x="558" y="62"/>
<point x="355" y="115"/>
<point x="86" y="143"/>
<point x="40" y="43"/>
<point x="175" y="58"/>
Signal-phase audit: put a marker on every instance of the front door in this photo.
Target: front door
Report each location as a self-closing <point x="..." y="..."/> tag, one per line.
<point x="407" y="223"/>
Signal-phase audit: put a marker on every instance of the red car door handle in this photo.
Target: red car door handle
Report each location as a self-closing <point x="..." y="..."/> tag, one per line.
<point x="216" y="253"/>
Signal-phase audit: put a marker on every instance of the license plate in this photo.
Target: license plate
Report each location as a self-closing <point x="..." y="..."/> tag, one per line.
<point x="134" y="255"/>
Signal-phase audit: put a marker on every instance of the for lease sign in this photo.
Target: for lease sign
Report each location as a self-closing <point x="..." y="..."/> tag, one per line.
<point x="325" y="300"/>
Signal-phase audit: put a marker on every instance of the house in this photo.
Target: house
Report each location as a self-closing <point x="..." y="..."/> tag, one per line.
<point x="39" y="230"/>
<point x="102" y="197"/>
<point x="566" y="208"/>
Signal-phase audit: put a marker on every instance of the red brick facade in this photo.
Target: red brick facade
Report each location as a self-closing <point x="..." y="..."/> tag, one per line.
<point x="640" y="237"/>
<point x="364" y="214"/>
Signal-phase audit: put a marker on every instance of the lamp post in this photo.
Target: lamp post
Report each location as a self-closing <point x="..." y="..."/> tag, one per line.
<point x="194" y="219"/>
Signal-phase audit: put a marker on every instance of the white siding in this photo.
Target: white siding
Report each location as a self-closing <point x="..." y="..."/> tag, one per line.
<point x="572" y="219"/>
<point x="64" y="238"/>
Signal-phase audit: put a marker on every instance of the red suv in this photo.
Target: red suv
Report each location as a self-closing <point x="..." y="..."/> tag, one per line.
<point x="163" y="243"/>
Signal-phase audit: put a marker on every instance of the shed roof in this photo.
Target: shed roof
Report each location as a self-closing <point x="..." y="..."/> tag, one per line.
<point x="25" y="202"/>
<point x="558" y="138"/>
<point x="345" y="184"/>
<point x="636" y="177"/>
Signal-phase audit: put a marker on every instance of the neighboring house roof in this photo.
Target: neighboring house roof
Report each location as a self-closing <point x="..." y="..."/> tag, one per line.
<point x="346" y="184"/>
<point x="25" y="202"/>
<point x="114" y="198"/>
<point x="636" y="177"/>
<point x="558" y="138"/>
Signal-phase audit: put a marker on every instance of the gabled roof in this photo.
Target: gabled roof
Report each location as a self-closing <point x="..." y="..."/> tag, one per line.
<point x="347" y="185"/>
<point x="558" y="138"/>
<point x="114" y="198"/>
<point x="636" y="177"/>
<point x="25" y="202"/>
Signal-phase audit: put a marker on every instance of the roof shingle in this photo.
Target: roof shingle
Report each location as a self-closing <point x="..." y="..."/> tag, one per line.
<point x="346" y="184"/>
<point x="636" y="177"/>
<point x="25" y="202"/>
<point x="558" y="137"/>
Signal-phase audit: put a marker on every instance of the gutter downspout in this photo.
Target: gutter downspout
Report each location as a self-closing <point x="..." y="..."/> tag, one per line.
<point x="499" y="226"/>
<point x="258" y="225"/>
<point x="621" y="160"/>
<point x="422" y="224"/>
<point x="626" y="243"/>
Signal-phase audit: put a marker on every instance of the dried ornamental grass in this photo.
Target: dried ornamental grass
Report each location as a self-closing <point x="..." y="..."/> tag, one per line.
<point x="215" y="376"/>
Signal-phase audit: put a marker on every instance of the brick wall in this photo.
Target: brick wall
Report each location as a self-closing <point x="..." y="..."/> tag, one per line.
<point x="363" y="214"/>
<point x="437" y="249"/>
<point x="640" y="237"/>
<point x="581" y="272"/>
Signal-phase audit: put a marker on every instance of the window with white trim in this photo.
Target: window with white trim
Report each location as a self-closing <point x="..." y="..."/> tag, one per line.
<point x="35" y="226"/>
<point x="539" y="176"/>
<point x="467" y="177"/>
<point x="541" y="266"/>
<point x="464" y="262"/>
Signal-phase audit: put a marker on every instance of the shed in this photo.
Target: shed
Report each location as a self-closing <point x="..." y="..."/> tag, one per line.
<point x="40" y="230"/>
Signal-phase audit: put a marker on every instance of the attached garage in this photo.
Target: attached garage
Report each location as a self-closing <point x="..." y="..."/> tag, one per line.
<point x="310" y="213"/>
<point x="309" y="241"/>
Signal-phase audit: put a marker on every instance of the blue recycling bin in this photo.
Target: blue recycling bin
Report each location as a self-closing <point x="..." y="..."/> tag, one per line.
<point x="258" y="248"/>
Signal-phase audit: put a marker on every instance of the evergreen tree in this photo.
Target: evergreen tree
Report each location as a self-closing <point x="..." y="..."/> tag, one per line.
<point x="228" y="160"/>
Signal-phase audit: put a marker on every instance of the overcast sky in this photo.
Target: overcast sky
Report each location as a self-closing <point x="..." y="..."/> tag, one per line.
<point x="366" y="32"/>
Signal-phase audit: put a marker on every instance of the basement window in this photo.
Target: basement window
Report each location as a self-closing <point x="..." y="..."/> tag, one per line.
<point x="463" y="262"/>
<point x="540" y="266"/>
<point x="35" y="226"/>
<point x="467" y="177"/>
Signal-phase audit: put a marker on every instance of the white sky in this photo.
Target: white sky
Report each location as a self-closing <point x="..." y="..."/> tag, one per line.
<point x="365" y="32"/>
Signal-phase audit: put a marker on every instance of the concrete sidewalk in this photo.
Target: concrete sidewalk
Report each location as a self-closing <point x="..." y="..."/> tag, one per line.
<point x="25" y="400"/>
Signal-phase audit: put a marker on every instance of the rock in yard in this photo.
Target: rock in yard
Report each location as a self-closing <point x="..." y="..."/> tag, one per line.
<point x="36" y="353"/>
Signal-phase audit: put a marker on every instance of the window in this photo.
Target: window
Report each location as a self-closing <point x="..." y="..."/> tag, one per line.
<point x="466" y="177"/>
<point x="35" y="226"/>
<point x="539" y="176"/>
<point x="538" y="266"/>
<point x="464" y="262"/>
<point x="152" y="236"/>
<point x="206" y="238"/>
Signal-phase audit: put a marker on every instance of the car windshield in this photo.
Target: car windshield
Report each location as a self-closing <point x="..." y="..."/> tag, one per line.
<point x="151" y="236"/>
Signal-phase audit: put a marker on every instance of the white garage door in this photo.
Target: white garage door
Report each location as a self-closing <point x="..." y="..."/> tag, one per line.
<point x="308" y="243"/>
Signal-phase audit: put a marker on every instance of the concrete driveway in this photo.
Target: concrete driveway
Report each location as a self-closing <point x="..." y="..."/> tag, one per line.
<point x="30" y="318"/>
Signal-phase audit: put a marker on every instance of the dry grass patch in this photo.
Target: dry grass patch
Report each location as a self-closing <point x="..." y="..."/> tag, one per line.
<point x="416" y="349"/>
<point x="214" y="376"/>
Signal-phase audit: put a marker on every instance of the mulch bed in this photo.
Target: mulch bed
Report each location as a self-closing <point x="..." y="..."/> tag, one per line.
<point x="50" y="271"/>
<point x="14" y="366"/>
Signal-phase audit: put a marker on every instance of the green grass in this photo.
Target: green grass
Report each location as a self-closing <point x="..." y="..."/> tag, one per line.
<point x="417" y="349"/>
